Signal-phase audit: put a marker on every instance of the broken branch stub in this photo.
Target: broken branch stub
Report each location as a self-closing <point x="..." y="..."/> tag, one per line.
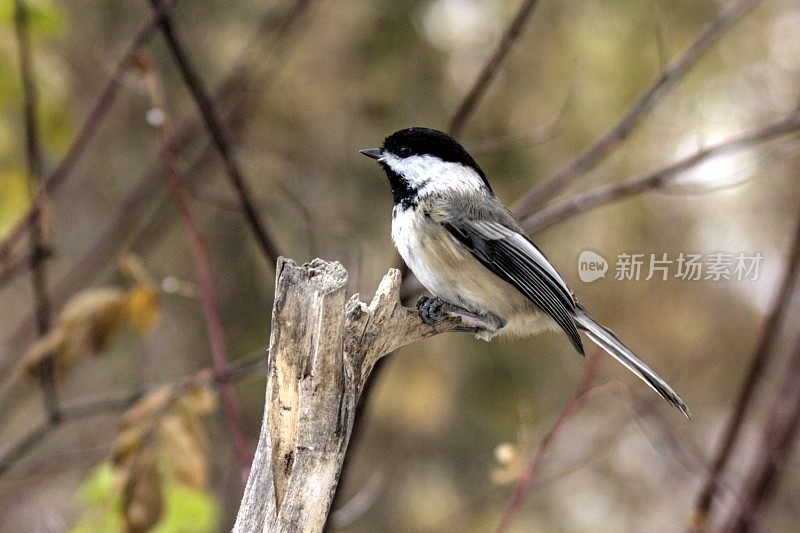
<point x="322" y="350"/>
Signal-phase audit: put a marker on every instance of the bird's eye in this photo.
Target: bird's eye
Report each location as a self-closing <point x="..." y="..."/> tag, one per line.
<point x="405" y="151"/>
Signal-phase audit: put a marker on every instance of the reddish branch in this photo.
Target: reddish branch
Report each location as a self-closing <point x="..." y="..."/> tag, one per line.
<point x="205" y="287"/>
<point x="490" y="68"/>
<point x="526" y="480"/>
<point x="764" y="350"/>
<point x="582" y="202"/>
<point x="596" y="153"/>
<point x="218" y="135"/>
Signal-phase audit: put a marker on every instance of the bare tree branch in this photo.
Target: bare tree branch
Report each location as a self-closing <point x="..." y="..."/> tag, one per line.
<point x="592" y="156"/>
<point x="526" y="206"/>
<point x="490" y="68"/>
<point x="30" y="441"/>
<point x="323" y="348"/>
<point x="758" y="365"/>
<point x="68" y="413"/>
<point x="32" y="145"/>
<point x="218" y="135"/>
<point x="589" y="200"/>
<point x="39" y="237"/>
<point x="11" y="268"/>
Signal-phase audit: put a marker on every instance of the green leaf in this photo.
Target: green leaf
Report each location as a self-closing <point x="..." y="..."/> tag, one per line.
<point x="15" y="198"/>
<point x="45" y="18"/>
<point x="188" y="511"/>
<point x="100" y="498"/>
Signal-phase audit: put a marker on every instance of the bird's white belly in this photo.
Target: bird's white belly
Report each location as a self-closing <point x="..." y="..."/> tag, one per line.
<point x="449" y="271"/>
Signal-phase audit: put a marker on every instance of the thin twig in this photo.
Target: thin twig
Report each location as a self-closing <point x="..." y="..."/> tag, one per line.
<point x="237" y="82"/>
<point x="529" y="476"/>
<point x="490" y="68"/>
<point x="39" y="238"/>
<point x="758" y="365"/>
<point x="68" y="414"/>
<point x="87" y="130"/>
<point x="586" y="201"/>
<point x="30" y="440"/>
<point x="218" y="134"/>
<point x="591" y="157"/>
<point x="205" y="280"/>
<point x="243" y="368"/>
<point x="11" y="268"/>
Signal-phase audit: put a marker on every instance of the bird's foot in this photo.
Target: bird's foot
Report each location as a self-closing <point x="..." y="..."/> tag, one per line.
<point x="432" y="310"/>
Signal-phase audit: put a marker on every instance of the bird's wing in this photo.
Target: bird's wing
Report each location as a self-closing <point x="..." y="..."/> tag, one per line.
<point x="514" y="258"/>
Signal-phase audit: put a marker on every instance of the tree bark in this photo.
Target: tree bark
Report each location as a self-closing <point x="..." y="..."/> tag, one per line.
<point x="322" y="350"/>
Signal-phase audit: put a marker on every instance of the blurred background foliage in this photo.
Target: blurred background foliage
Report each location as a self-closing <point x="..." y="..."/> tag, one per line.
<point x="451" y="420"/>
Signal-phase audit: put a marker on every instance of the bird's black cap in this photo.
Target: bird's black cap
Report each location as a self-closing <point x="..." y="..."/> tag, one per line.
<point x="427" y="141"/>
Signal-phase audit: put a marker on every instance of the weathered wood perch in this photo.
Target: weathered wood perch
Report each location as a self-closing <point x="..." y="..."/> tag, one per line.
<point x="322" y="350"/>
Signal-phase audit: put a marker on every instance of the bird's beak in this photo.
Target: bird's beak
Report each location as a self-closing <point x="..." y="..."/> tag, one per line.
<point x="374" y="153"/>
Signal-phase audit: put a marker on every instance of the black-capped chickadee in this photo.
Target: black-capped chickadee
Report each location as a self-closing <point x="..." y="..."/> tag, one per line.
<point x="468" y="250"/>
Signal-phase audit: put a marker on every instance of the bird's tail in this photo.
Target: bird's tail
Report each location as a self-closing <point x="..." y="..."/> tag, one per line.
<point x="607" y="340"/>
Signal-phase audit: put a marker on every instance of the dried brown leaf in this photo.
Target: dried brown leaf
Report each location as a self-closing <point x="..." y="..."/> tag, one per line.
<point x="184" y="437"/>
<point x="184" y="451"/>
<point x="143" y="307"/>
<point x="198" y="401"/>
<point x="89" y="303"/>
<point x="170" y="427"/>
<point x="85" y="324"/>
<point x="96" y="333"/>
<point x="139" y="422"/>
<point x="89" y="321"/>
<point x="142" y="498"/>
<point x="127" y="445"/>
<point x="144" y="411"/>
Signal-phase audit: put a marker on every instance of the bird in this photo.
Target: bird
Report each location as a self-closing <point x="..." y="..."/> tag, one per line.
<point x="468" y="250"/>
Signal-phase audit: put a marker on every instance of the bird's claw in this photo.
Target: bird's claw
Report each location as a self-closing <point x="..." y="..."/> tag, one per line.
<point x="431" y="310"/>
